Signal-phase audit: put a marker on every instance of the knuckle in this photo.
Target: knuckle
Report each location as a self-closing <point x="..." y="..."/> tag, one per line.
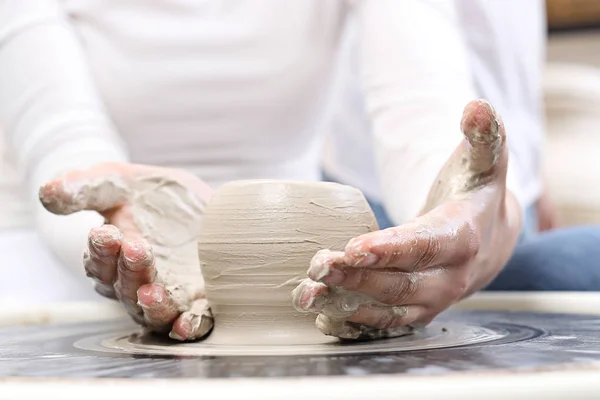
<point x="356" y="278"/>
<point x="428" y="247"/>
<point x="386" y="321"/>
<point x="97" y="270"/>
<point x="405" y="287"/>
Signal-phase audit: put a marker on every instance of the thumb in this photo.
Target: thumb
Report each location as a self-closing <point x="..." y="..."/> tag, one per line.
<point x="484" y="130"/>
<point x="99" y="188"/>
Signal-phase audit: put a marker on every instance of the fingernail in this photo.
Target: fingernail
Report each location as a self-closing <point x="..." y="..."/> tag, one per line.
<point x="311" y="300"/>
<point x="104" y="245"/>
<point x="334" y="277"/>
<point x="366" y="260"/>
<point x="145" y="291"/>
<point x="142" y="305"/>
<point x="174" y="335"/>
<point x="185" y="325"/>
<point x="307" y="300"/>
<point x="138" y="262"/>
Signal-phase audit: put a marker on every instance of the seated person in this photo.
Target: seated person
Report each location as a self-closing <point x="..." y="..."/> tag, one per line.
<point x="102" y="96"/>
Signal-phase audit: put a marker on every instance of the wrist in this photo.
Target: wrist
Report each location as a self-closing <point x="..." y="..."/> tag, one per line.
<point x="501" y="246"/>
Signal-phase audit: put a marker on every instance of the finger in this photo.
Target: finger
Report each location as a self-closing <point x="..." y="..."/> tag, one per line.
<point x="335" y="308"/>
<point x="333" y="302"/>
<point x="484" y="131"/>
<point x="102" y="253"/>
<point x="437" y="238"/>
<point x="193" y="324"/>
<point x="430" y="287"/>
<point x="107" y="291"/>
<point x="160" y="310"/>
<point x="306" y="294"/>
<point x="135" y="268"/>
<point x="99" y="188"/>
<point x="389" y="317"/>
<point x="327" y="264"/>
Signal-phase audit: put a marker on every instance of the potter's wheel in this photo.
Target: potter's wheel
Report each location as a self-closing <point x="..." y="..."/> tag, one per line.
<point x="459" y="340"/>
<point x="440" y="334"/>
<point x="535" y="340"/>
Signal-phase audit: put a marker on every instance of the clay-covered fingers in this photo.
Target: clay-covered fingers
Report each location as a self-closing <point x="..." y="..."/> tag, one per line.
<point x="429" y="287"/>
<point x="375" y="322"/>
<point x="161" y="312"/>
<point x="485" y="134"/>
<point x="435" y="239"/>
<point x="194" y="323"/>
<point x="158" y="307"/>
<point x="101" y="256"/>
<point x="350" y="316"/>
<point x="100" y="188"/>
<point x="135" y="268"/>
<point x="327" y="266"/>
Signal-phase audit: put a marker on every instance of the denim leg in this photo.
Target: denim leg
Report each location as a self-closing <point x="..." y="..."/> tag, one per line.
<point x="383" y="220"/>
<point x="565" y="259"/>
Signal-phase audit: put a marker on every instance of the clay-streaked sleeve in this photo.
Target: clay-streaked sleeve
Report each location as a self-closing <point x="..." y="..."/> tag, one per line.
<point x="416" y="80"/>
<point x="50" y="113"/>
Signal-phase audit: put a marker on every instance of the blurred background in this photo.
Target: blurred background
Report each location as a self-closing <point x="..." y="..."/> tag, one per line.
<point x="572" y="91"/>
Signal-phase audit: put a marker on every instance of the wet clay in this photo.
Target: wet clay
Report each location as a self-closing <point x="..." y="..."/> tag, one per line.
<point x="169" y="215"/>
<point x="164" y="210"/>
<point x="256" y="243"/>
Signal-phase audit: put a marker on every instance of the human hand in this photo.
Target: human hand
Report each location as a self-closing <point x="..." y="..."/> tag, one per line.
<point x="385" y="283"/>
<point x="146" y="254"/>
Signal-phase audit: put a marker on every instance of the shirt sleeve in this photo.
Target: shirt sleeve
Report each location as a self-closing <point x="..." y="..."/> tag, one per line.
<point x="416" y="80"/>
<point x="51" y="114"/>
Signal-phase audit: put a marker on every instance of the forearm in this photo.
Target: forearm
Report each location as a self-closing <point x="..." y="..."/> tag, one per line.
<point x="50" y="112"/>
<point x="417" y="81"/>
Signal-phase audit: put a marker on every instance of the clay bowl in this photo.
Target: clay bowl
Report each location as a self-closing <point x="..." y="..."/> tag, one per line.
<point x="257" y="240"/>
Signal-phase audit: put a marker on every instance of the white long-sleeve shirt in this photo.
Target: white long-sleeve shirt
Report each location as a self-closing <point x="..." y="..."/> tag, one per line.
<point x="226" y="89"/>
<point x="505" y="47"/>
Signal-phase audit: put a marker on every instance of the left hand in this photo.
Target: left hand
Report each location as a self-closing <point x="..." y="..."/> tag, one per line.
<point x="386" y="282"/>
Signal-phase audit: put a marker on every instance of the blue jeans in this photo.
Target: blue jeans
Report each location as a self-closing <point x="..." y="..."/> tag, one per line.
<point x="566" y="259"/>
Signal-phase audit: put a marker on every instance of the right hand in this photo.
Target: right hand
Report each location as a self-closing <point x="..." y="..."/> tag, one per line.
<point x="146" y="253"/>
